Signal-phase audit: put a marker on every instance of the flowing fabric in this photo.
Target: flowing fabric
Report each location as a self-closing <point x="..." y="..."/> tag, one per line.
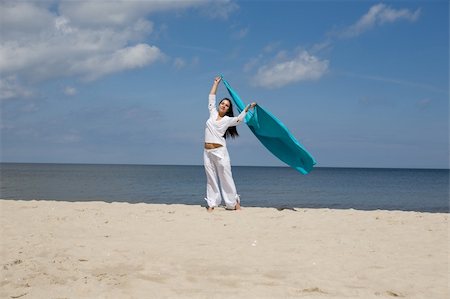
<point x="274" y="135"/>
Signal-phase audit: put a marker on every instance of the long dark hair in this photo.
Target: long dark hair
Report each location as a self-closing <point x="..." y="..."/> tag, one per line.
<point x="231" y="131"/>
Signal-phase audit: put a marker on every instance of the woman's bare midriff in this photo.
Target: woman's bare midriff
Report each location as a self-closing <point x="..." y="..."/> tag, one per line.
<point x="212" y="145"/>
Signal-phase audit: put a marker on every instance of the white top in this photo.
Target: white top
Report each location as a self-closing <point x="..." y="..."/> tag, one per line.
<point x="215" y="129"/>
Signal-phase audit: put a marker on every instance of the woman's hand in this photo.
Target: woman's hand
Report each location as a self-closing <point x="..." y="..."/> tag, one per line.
<point x="252" y="105"/>
<point x="215" y="85"/>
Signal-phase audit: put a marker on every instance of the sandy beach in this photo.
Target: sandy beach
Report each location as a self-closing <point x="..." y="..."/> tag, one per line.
<point x="53" y="249"/>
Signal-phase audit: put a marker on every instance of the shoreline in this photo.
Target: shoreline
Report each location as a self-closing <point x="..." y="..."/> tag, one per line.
<point x="59" y="249"/>
<point x="200" y="204"/>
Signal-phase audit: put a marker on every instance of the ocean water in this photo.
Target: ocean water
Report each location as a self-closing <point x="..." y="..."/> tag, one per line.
<point x="423" y="190"/>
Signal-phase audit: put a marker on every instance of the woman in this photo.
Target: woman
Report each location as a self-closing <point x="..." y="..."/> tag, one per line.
<point x="219" y="126"/>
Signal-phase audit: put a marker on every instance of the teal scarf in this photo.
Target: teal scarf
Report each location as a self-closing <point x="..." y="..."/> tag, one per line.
<point x="274" y="135"/>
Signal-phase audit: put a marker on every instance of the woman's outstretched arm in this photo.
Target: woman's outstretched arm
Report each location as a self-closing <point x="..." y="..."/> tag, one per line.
<point x="234" y="121"/>
<point x="212" y="97"/>
<point x="215" y="85"/>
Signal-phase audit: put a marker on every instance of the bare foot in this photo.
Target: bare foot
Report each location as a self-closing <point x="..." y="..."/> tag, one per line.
<point x="210" y="209"/>
<point x="237" y="206"/>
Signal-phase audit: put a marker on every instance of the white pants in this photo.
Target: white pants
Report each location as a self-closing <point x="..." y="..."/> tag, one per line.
<point x="218" y="168"/>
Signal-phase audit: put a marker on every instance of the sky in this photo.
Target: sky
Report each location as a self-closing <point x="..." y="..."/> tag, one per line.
<point x="359" y="83"/>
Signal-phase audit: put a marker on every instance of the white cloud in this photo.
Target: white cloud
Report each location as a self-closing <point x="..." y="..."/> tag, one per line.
<point x="70" y="91"/>
<point x="123" y="12"/>
<point x="23" y="18"/>
<point x="179" y="63"/>
<point x="252" y="63"/>
<point x="85" y="39"/>
<point x="100" y="65"/>
<point x="66" y="48"/>
<point x="10" y="88"/>
<point x="306" y="65"/>
<point x="286" y="71"/>
<point x="379" y="14"/>
<point x="271" y="47"/>
<point x="219" y="9"/>
<point x="240" y="34"/>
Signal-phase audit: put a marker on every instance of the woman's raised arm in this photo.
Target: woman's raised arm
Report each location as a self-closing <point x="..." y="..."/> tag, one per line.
<point x="215" y="85"/>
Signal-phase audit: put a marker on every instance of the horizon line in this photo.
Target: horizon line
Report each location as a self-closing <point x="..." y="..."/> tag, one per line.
<point x="201" y="165"/>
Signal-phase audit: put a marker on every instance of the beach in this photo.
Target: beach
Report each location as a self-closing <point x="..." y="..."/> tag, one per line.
<point x="57" y="249"/>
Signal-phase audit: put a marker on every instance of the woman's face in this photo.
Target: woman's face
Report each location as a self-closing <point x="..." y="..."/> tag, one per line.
<point x="224" y="106"/>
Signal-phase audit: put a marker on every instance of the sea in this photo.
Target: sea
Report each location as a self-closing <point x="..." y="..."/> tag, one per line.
<point x="421" y="190"/>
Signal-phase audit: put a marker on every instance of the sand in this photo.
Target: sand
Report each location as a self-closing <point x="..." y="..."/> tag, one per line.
<point x="52" y="249"/>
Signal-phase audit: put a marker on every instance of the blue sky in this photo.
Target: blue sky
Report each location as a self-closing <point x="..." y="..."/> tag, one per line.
<point x="359" y="83"/>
